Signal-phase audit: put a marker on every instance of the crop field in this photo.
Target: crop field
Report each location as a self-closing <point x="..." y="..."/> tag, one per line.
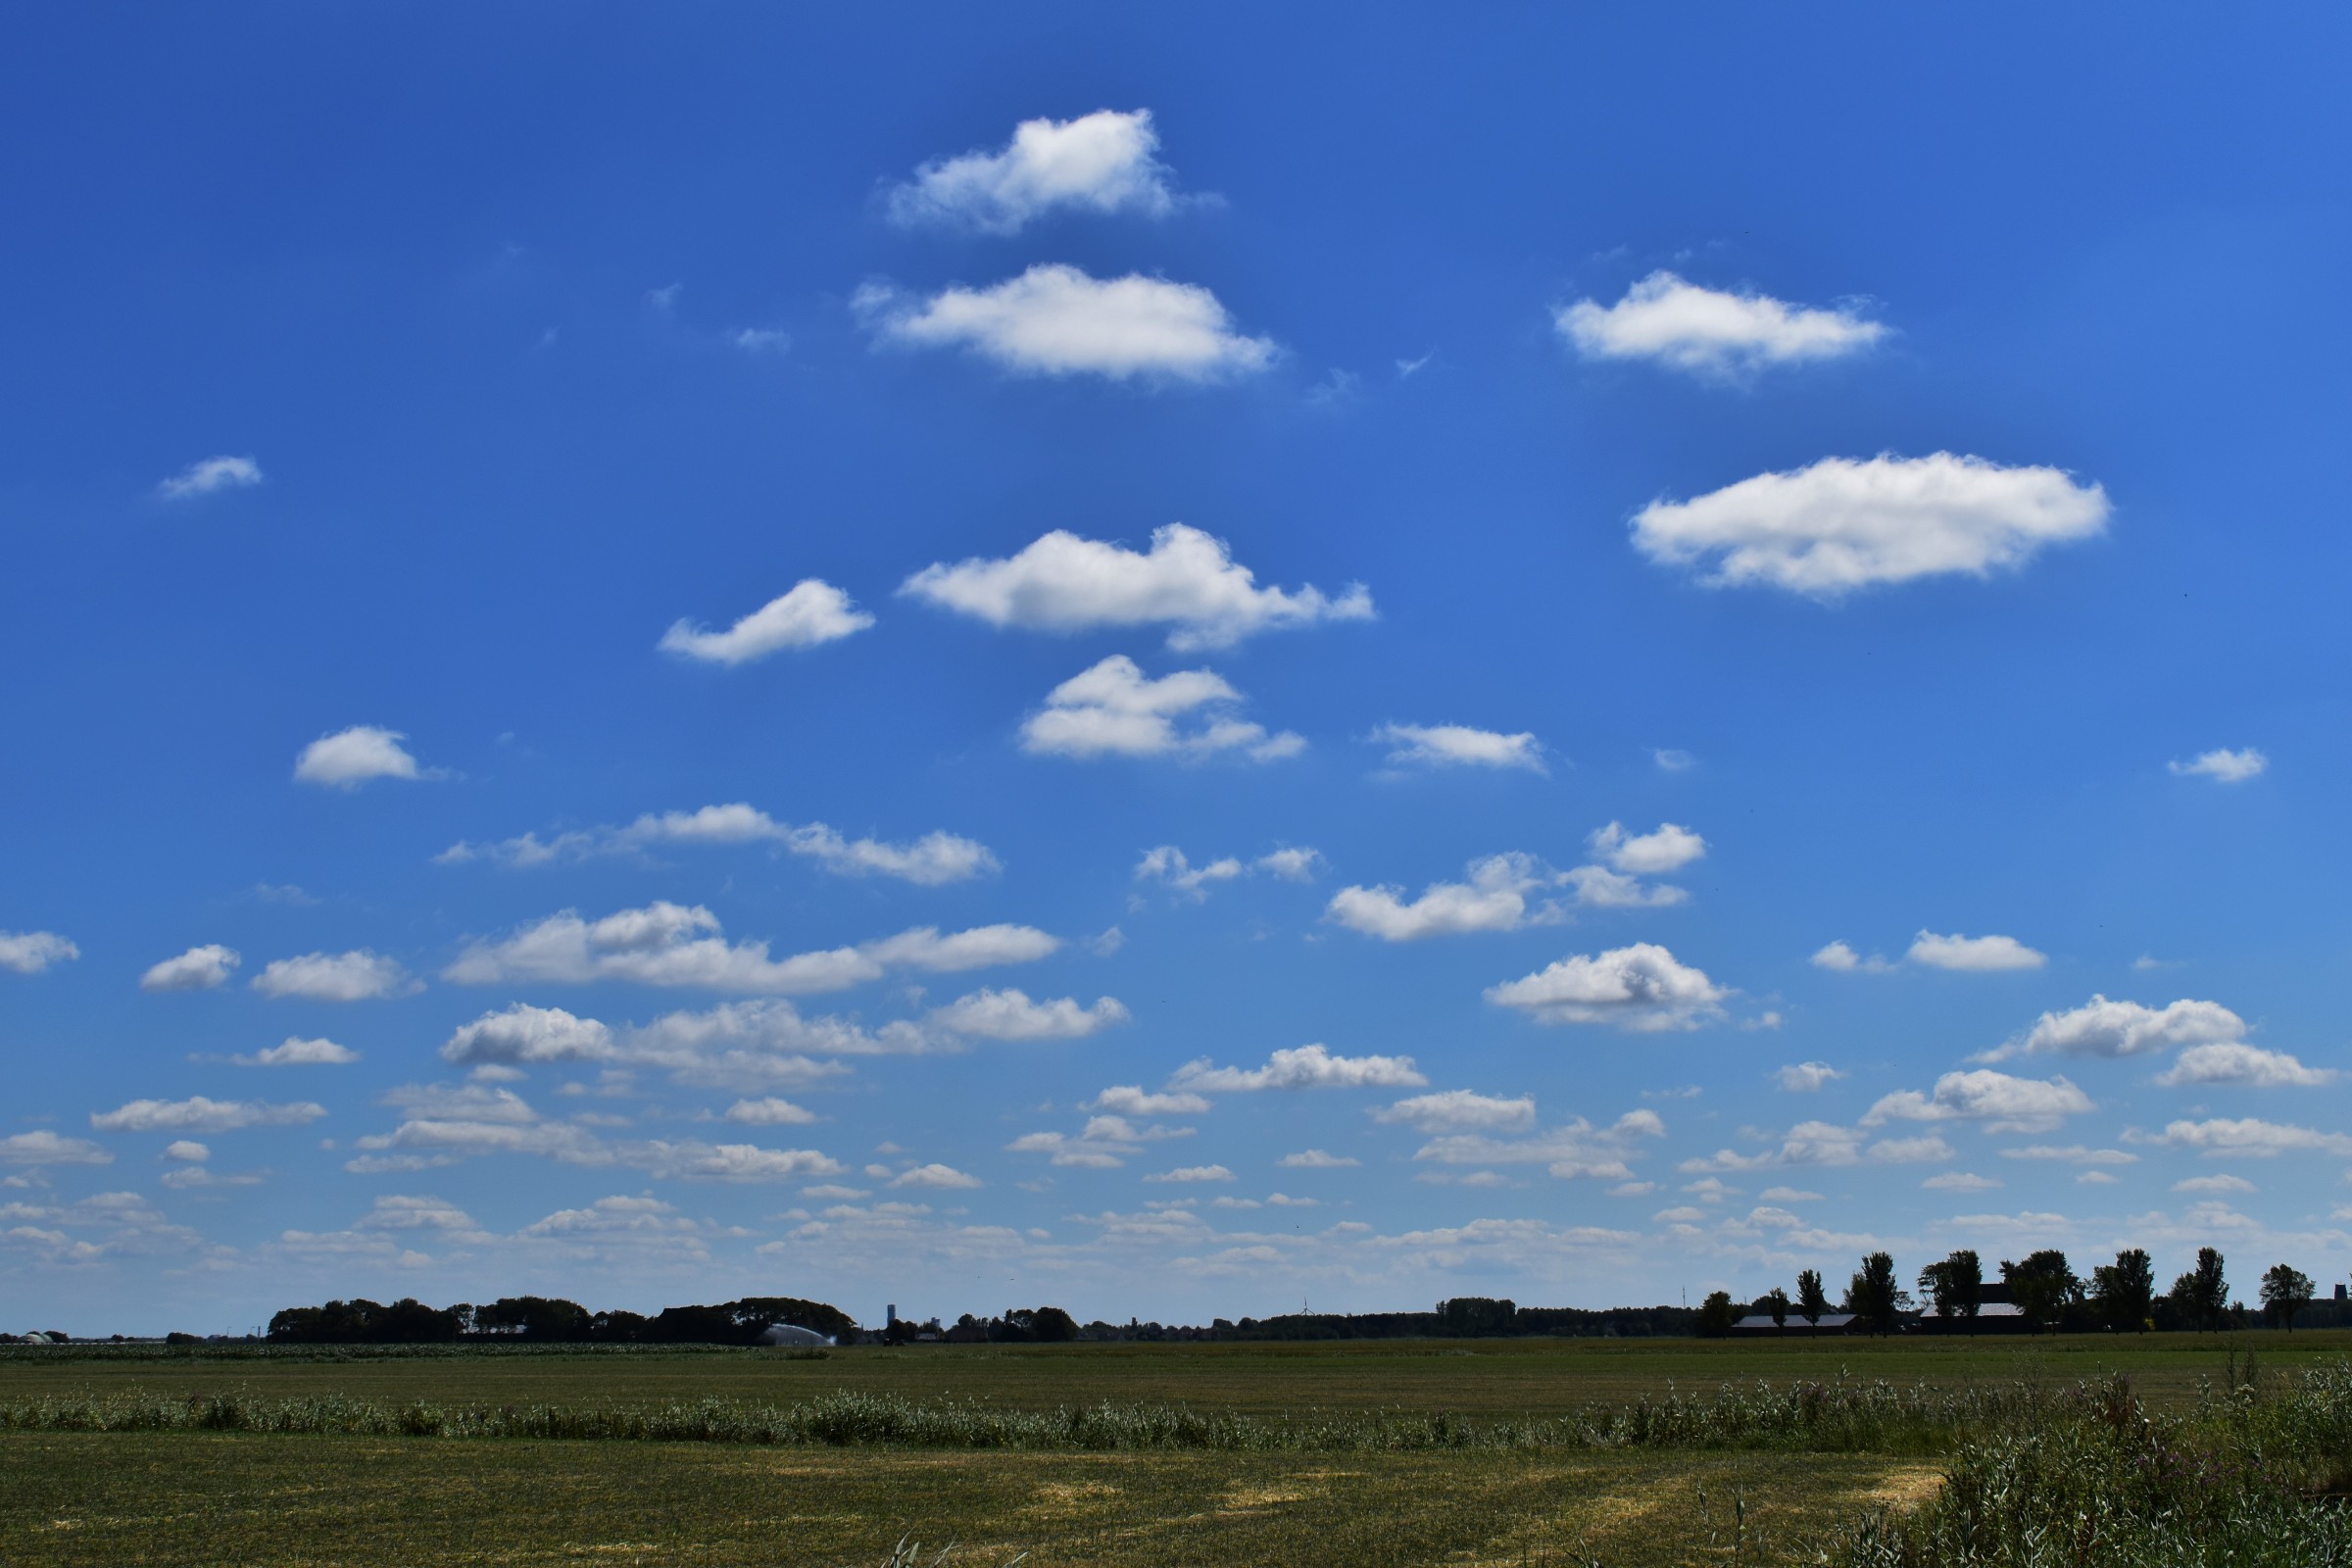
<point x="1480" y="1452"/>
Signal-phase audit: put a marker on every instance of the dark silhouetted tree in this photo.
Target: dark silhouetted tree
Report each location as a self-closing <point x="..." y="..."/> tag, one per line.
<point x="2285" y="1291"/>
<point x="1873" y="1296"/>
<point x="1811" y="1299"/>
<point x="1956" y="1286"/>
<point x="2124" y="1292"/>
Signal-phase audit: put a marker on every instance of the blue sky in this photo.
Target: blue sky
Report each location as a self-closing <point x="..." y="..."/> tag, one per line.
<point x="1166" y="664"/>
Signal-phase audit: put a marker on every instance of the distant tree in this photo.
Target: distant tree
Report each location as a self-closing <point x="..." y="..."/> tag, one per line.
<point x="1774" y="1306"/>
<point x="1715" y="1316"/>
<point x="537" y="1318"/>
<point x="1476" y="1316"/>
<point x="2043" y="1287"/>
<point x="2285" y="1291"/>
<point x="1873" y="1296"/>
<point x="1054" y="1326"/>
<point x="2200" y="1298"/>
<point x="1811" y="1299"/>
<point x="2124" y="1292"/>
<point x="1956" y="1286"/>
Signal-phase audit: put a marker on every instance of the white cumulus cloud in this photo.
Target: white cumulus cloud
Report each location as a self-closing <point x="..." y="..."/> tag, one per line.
<point x="208" y="474"/>
<point x="1642" y="987"/>
<point x="1806" y="1077"/>
<point x="196" y="969"/>
<point x="296" y="1051"/>
<point x="2224" y="766"/>
<point x="811" y="613"/>
<point x="1300" y="1067"/>
<point x="1192" y="1173"/>
<point x="936" y="858"/>
<point x="1459" y="746"/>
<point x="32" y="952"/>
<point x="1317" y="1160"/>
<point x="1461" y="1110"/>
<point x="2223" y="1136"/>
<point x="1054" y="319"/>
<point x="1112" y="709"/>
<point x="2235" y="1062"/>
<point x="936" y="1178"/>
<point x="524" y="1034"/>
<point x="1711" y="333"/>
<point x="1132" y="1100"/>
<point x="1976" y="954"/>
<point x="1843" y="525"/>
<point x="2104" y="1028"/>
<point x="1188" y="582"/>
<point x="1668" y="847"/>
<point x="42" y="1146"/>
<point x="361" y="975"/>
<point x="771" y="1111"/>
<point x="2003" y="1103"/>
<point x="350" y="758"/>
<point x="1493" y="898"/>
<point x="1103" y="162"/>
<point x="1009" y="1014"/>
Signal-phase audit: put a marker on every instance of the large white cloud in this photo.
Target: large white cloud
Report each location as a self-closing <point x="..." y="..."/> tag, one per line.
<point x="350" y="758"/>
<point x="1102" y="163"/>
<point x="2224" y="766"/>
<point x="1975" y="954"/>
<point x="2235" y="1062"/>
<point x="1711" y="331"/>
<point x="813" y="612"/>
<point x="1300" y="1067"/>
<point x="208" y="474"/>
<point x="932" y="860"/>
<point x="2003" y="1103"/>
<point x="361" y="975"/>
<point x="1843" y="525"/>
<point x="1112" y="709"/>
<point x="2104" y="1028"/>
<point x="1054" y="319"/>
<point x="1494" y="898"/>
<point x="198" y="1114"/>
<point x="666" y="943"/>
<point x="1009" y="1014"/>
<point x="1459" y="746"/>
<point x="524" y="1034"/>
<point x="1578" y="1149"/>
<point x="32" y="952"/>
<point x="1188" y="582"/>
<point x="1642" y="987"/>
<point x="199" y="969"/>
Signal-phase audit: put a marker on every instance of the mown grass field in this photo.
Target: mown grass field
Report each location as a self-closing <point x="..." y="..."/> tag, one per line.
<point x="248" y="1497"/>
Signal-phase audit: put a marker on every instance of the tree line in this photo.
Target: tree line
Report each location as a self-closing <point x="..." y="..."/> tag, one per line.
<point x="2120" y="1297"/>
<point x="550" y="1320"/>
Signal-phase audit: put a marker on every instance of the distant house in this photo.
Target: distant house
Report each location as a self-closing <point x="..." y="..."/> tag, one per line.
<point x="1761" y="1323"/>
<point x="1992" y="1317"/>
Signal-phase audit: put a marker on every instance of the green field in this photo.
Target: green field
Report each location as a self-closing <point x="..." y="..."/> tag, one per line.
<point x="250" y="1497"/>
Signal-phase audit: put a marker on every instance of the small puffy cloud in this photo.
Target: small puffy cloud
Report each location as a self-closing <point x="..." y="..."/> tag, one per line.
<point x="1806" y="1077"/>
<point x="936" y="1178"/>
<point x="810" y="613"/>
<point x="1317" y="1160"/>
<point x="1598" y="887"/>
<point x="1575" y="1150"/>
<point x="1642" y="987"/>
<point x="1788" y="1195"/>
<point x="45" y="1148"/>
<point x="1188" y="582"/>
<point x="208" y="474"/>
<point x="1101" y="163"/>
<point x="2003" y="1103"/>
<point x="1843" y="524"/>
<point x="769" y="1113"/>
<point x="186" y="1148"/>
<point x="1461" y="1110"/>
<point x="2223" y="766"/>
<point x="1672" y="760"/>
<point x="1459" y="746"/>
<point x="2214" y="1185"/>
<point x="350" y="758"/>
<point x="1054" y="319"/>
<point x="1192" y="1173"/>
<point x="524" y="1034"/>
<point x="1840" y="957"/>
<point x="2072" y="1155"/>
<point x="201" y="1115"/>
<point x="1300" y="1067"/>
<point x="361" y="975"/>
<point x="1959" y="1181"/>
<point x="1820" y="1143"/>
<point x="1290" y="865"/>
<point x="2104" y="1028"/>
<point x="1493" y="898"/>
<point x="664" y="944"/>
<point x="296" y="1051"/>
<point x="1009" y="1014"/>
<point x="1131" y="1100"/>
<point x="2239" y="1064"/>
<point x="1168" y="865"/>
<point x="196" y="969"/>
<point x="32" y="952"/>
<point x="733" y="1162"/>
<point x="2223" y="1137"/>
<point x="1668" y="848"/>
<point x="1973" y="954"/>
<point x="1112" y="709"/>
<point x="1711" y="333"/>
<point x="935" y="860"/>
<point x="761" y="340"/>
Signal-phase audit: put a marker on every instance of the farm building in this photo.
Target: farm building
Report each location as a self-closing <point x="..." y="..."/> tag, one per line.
<point x="1761" y="1323"/>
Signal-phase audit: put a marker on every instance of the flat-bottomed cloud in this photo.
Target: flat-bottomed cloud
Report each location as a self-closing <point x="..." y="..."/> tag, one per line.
<point x="350" y="758"/>
<point x="1843" y="524"/>
<point x="1711" y="333"/>
<point x="361" y="975"/>
<point x="34" y="951"/>
<point x="1459" y="746"/>
<point x="2222" y="766"/>
<point x="1101" y="163"/>
<point x="809" y="614"/>
<point x="1057" y="321"/>
<point x="1112" y="709"/>
<point x="200" y="968"/>
<point x="1642" y="987"/>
